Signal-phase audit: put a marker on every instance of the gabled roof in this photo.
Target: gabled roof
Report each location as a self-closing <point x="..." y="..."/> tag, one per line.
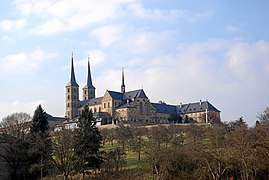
<point x="135" y="94"/>
<point x="116" y="95"/>
<point x="90" y="102"/>
<point x="166" y="108"/>
<point x="197" y="107"/>
<point x="52" y="118"/>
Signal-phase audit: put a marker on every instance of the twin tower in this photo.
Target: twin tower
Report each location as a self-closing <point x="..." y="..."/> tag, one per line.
<point x="72" y="92"/>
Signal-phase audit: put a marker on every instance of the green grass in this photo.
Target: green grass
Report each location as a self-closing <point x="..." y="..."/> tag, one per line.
<point x="131" y="157"/>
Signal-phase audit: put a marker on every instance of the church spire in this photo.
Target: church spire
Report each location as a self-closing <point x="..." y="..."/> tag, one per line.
<point x="89" y="77"/>
<point x="122" y="84"/>
<point x="88" y="89"/>
<point x="72" y="81"/>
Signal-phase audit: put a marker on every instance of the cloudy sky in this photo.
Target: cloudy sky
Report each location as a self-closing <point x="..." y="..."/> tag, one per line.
<point x="178" y="51"/>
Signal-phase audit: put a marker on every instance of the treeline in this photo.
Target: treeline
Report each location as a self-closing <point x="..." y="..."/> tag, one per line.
<point x="224" y="151"/>
<point x="227" y="151"/>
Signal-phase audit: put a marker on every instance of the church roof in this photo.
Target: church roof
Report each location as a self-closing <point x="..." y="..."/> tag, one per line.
<point x="52" y="118"/>
<point x="90" y="102"/>
<point x="197" y="107"/>
<point x="166" y="108"/>
<point x="72" y="81"/>
<point x="128" y="95"/>
<point x="135" y="94"/>
<point x="116" y="95"/>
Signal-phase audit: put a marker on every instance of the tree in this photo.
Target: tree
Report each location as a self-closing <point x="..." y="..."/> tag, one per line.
<point x="137" y="140"/>
<point x="63" y="156"/>
<point x="15" y="119"/>
<point x="175" y="118"/>
<point x="264" y="116"/>
<point x="87" y="142"/>
<point x="123" y="134"/>
<point x="13" y="152"/>
<point x="40" y="143"/>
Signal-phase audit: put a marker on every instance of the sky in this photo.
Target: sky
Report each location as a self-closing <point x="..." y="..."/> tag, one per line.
<point x="177" y="51"/>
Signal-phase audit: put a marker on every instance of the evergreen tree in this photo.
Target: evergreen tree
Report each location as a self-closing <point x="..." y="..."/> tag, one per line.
<point x="40" y="143"/>
<point x="40" y="122"/>
<point x="88" y="142"/>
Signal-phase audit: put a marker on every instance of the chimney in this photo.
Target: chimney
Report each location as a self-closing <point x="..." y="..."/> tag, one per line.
<point x="180" y="105"/>
<point x="200" y="102"/>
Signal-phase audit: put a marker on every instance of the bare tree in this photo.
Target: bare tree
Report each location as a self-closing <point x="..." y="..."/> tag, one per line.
<point x="15" y="118"/>
<point x="63" y="151"/>
<point x="264" y="116"/>
<point x="14" y="145"/>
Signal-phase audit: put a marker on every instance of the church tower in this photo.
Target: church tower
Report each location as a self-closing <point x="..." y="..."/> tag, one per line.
<point x="72" y="94"/>
<point x="122" y="84"/>
<point x="89" y="89"/>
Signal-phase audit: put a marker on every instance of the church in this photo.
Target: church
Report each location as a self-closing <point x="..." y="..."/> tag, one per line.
<point x="131" y="106"/>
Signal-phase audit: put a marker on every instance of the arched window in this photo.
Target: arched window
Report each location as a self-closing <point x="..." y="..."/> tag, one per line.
<point x="108" y="104"/>
<point x="104" y="105"/>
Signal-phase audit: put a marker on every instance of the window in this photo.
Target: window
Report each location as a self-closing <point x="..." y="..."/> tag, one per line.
<point x="104" y="105"/>
<point x="68" y="97"/>
<point x="108" y="104"/>
<point x="141" y="107"/>
<point x="68" y="90"/>
<point x="95" y="110"/>
<point x="99" y="109"/>
<point x="85" y="92"/>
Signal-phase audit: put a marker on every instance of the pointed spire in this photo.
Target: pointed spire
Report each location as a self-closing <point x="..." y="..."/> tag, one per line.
<point x="122" y="84"/>
<point x="89" y="77"/>
<point x="72" y="81"/>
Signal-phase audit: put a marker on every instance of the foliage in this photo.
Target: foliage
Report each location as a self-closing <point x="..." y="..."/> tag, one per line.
<point x="175" y="118"/>
<point x="40" y="143"/>
<point x="87" y="143"/>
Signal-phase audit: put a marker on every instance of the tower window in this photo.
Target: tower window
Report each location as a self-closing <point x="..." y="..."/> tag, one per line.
<point x="108" y="104"/>
<point x="85" y="92"/>
<point x="104" y="105"/>
<point x="68" y="97"/>
<point x="68" y="90"/>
